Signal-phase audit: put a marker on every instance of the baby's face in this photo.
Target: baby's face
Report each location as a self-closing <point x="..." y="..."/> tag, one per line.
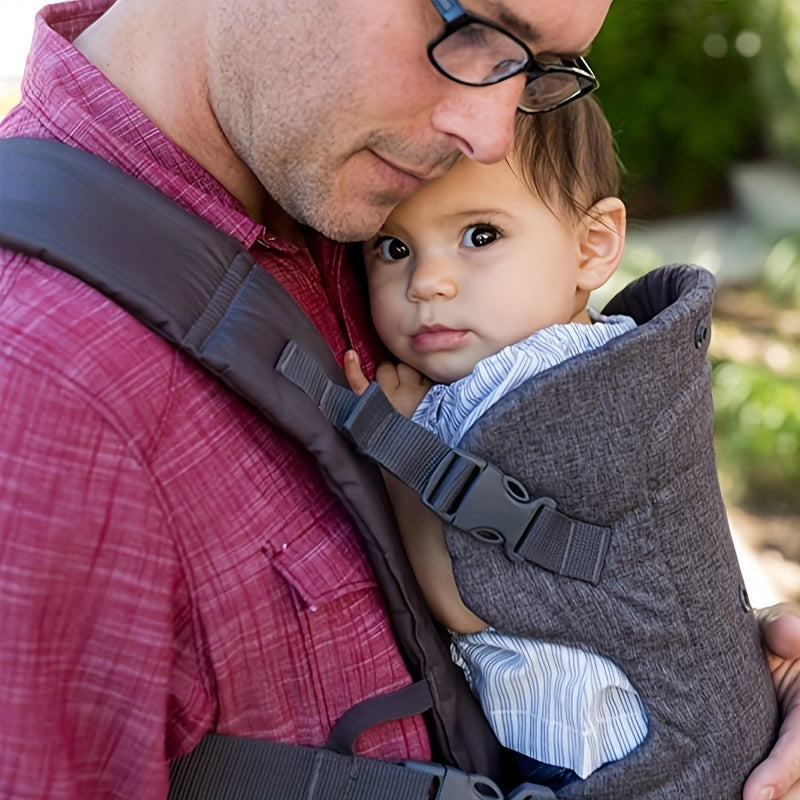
<point x="467" y="265"/>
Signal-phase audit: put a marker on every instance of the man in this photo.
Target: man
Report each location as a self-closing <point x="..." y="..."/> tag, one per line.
<point x="170" y="564"/>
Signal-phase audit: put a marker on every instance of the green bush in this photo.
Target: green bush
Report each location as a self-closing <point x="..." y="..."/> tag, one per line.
<point x="781" y="273"/>
<point x="777" y="73"/>
<point x="757" y="429"/>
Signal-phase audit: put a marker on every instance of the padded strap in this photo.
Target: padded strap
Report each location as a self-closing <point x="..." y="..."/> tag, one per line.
<point x="235" y="768"/>
<point x="197" y="288"/>
<point x="201" y="291"/>
<point x="463" y="489"/>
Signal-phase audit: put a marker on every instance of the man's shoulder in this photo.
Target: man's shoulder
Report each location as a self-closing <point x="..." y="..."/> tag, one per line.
<point x="38" y="300"/>
<point x="69" y="334"/>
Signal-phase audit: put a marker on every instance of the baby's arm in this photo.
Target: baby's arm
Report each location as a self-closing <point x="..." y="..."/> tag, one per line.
<point x="420" y="529"/>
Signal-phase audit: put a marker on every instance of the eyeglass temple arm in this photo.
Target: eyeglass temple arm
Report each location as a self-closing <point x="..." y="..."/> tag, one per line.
<point x="448" y="9"/>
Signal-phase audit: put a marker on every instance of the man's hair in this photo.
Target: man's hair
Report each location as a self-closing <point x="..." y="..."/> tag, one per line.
<point x="568" y="156"/>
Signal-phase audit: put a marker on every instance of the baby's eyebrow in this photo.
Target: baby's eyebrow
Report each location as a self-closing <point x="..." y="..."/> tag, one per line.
<point x="476" y="212"/>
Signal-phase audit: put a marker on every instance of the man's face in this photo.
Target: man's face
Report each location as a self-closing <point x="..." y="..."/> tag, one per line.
<point x="337" y="110"/>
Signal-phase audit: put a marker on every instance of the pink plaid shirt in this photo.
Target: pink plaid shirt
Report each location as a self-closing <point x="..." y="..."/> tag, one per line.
<point x="169" y="564"/>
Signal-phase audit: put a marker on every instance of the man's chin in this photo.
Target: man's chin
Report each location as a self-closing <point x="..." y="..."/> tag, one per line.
<point x="356" y="223"/>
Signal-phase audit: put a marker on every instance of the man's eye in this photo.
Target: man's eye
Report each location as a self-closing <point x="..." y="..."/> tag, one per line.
<point x="391" y="249"/>
<point x="479" y="236"/>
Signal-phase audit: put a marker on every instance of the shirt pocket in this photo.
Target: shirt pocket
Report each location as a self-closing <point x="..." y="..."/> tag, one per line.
<point x="323" y="560"/>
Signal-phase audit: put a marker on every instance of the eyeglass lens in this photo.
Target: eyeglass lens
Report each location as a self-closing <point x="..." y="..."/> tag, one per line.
<point x="479" y="54"/>
<point x="551" y="89"/>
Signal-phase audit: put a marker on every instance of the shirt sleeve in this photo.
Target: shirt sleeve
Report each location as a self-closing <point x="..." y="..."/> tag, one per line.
<point x="89" y="580"/>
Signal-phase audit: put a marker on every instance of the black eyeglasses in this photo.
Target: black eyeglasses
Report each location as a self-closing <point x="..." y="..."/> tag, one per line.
<point x="477" y="52"/>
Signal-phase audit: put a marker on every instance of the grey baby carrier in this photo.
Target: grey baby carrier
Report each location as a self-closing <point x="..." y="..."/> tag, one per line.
<point x="622" y="437"/>
<point x="611" y="533"/>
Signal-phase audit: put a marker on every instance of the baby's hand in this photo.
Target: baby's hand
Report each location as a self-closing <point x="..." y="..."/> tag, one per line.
<point x="403" y="385"/>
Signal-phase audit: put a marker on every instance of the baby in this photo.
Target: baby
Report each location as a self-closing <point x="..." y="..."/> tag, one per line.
<point x="478" y="282"/>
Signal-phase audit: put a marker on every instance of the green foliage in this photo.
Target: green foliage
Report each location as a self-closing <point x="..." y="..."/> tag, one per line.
<point x="691" y="87"/>
<point x="757" y="426"/>
<point x="777" y="73"/>
<point x="781" y="273"/>
<point x="681" y="97"/>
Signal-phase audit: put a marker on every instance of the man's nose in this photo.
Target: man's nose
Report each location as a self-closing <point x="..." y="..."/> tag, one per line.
<point x="480" y="118"/>
<point x="432" y="278"/>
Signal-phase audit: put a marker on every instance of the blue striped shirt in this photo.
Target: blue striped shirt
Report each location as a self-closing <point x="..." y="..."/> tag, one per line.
<point x="560" y="705"/>
<point x="451" y="409"/>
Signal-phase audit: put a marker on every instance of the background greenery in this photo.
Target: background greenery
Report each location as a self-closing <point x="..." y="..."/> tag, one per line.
<point x="693" y="87"/>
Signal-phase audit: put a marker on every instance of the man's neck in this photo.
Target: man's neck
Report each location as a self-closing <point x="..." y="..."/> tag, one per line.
<point x="134" y="46"/>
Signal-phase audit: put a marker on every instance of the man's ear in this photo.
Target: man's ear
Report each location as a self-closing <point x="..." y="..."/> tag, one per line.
<point x="602" y="242"/>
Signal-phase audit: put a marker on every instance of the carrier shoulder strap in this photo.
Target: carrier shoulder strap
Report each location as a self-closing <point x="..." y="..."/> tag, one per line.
<point x="198" y="288"/>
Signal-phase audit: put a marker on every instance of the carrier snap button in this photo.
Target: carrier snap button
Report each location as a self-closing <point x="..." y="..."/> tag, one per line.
<point x="744" y="598"/>
<point x="701" y="332"/>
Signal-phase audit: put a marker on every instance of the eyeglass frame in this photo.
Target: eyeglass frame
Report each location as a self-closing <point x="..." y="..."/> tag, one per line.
<point x="455" y="17"/>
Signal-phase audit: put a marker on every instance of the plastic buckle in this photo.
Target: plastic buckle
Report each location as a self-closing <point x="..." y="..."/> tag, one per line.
<point x="453" y="784"/>
<point x="531" y="791"/>
<point x="468" y="492"/>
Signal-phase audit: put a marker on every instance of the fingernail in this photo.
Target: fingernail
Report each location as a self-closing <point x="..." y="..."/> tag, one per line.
<point x="767" y="794"/>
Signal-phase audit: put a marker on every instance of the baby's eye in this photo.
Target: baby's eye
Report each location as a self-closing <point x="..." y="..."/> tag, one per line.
<point x="391" y="249"/>
<point x="479" y="235"/>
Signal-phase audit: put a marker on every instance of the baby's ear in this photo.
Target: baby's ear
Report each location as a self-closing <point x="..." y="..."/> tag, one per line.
<point x="602" y="241"/>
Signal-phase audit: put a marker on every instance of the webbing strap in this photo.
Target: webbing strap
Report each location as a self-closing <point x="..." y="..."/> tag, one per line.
<point x="236" y="768"/>
<point x="406" y="702"/>
<point x="463" y="489"/>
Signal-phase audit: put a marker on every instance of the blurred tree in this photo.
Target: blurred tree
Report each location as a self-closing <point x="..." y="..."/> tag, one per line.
<point x="777" y="73"/>
<point x="679" y="85"/>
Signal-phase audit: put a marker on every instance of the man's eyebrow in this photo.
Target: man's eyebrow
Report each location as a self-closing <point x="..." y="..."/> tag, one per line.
<point x="520" y="27"/>
<point x="523" y="29"/>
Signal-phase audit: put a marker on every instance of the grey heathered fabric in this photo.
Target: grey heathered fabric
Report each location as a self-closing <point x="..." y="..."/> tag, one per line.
<point x="622" y="437"/>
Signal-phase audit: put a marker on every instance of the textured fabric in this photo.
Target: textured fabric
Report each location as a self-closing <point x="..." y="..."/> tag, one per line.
<point x="169" y="563"/>
<point x="451" y="409"/>
<point x="563" y="706"/>
<point x="622" y="437"/>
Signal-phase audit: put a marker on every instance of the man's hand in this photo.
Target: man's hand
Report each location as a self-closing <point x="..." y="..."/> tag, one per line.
<point x="403" y="385"/>
<point x="778" y="777"/>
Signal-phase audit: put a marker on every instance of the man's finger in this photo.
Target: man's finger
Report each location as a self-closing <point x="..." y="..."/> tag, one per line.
<point x="780" y="625"/>
<point x="780" y="772"/>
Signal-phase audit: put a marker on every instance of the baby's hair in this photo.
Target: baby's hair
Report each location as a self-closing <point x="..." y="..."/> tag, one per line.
<point x="568" y="156"/>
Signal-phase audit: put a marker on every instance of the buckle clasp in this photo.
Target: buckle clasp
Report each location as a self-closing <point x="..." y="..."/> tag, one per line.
<point x="473" y="495"/>
<point x="453" y="784"/>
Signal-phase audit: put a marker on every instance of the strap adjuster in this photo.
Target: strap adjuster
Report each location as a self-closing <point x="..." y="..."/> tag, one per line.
<point x="462" y="488"/>
<point x="453" y="784"/>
